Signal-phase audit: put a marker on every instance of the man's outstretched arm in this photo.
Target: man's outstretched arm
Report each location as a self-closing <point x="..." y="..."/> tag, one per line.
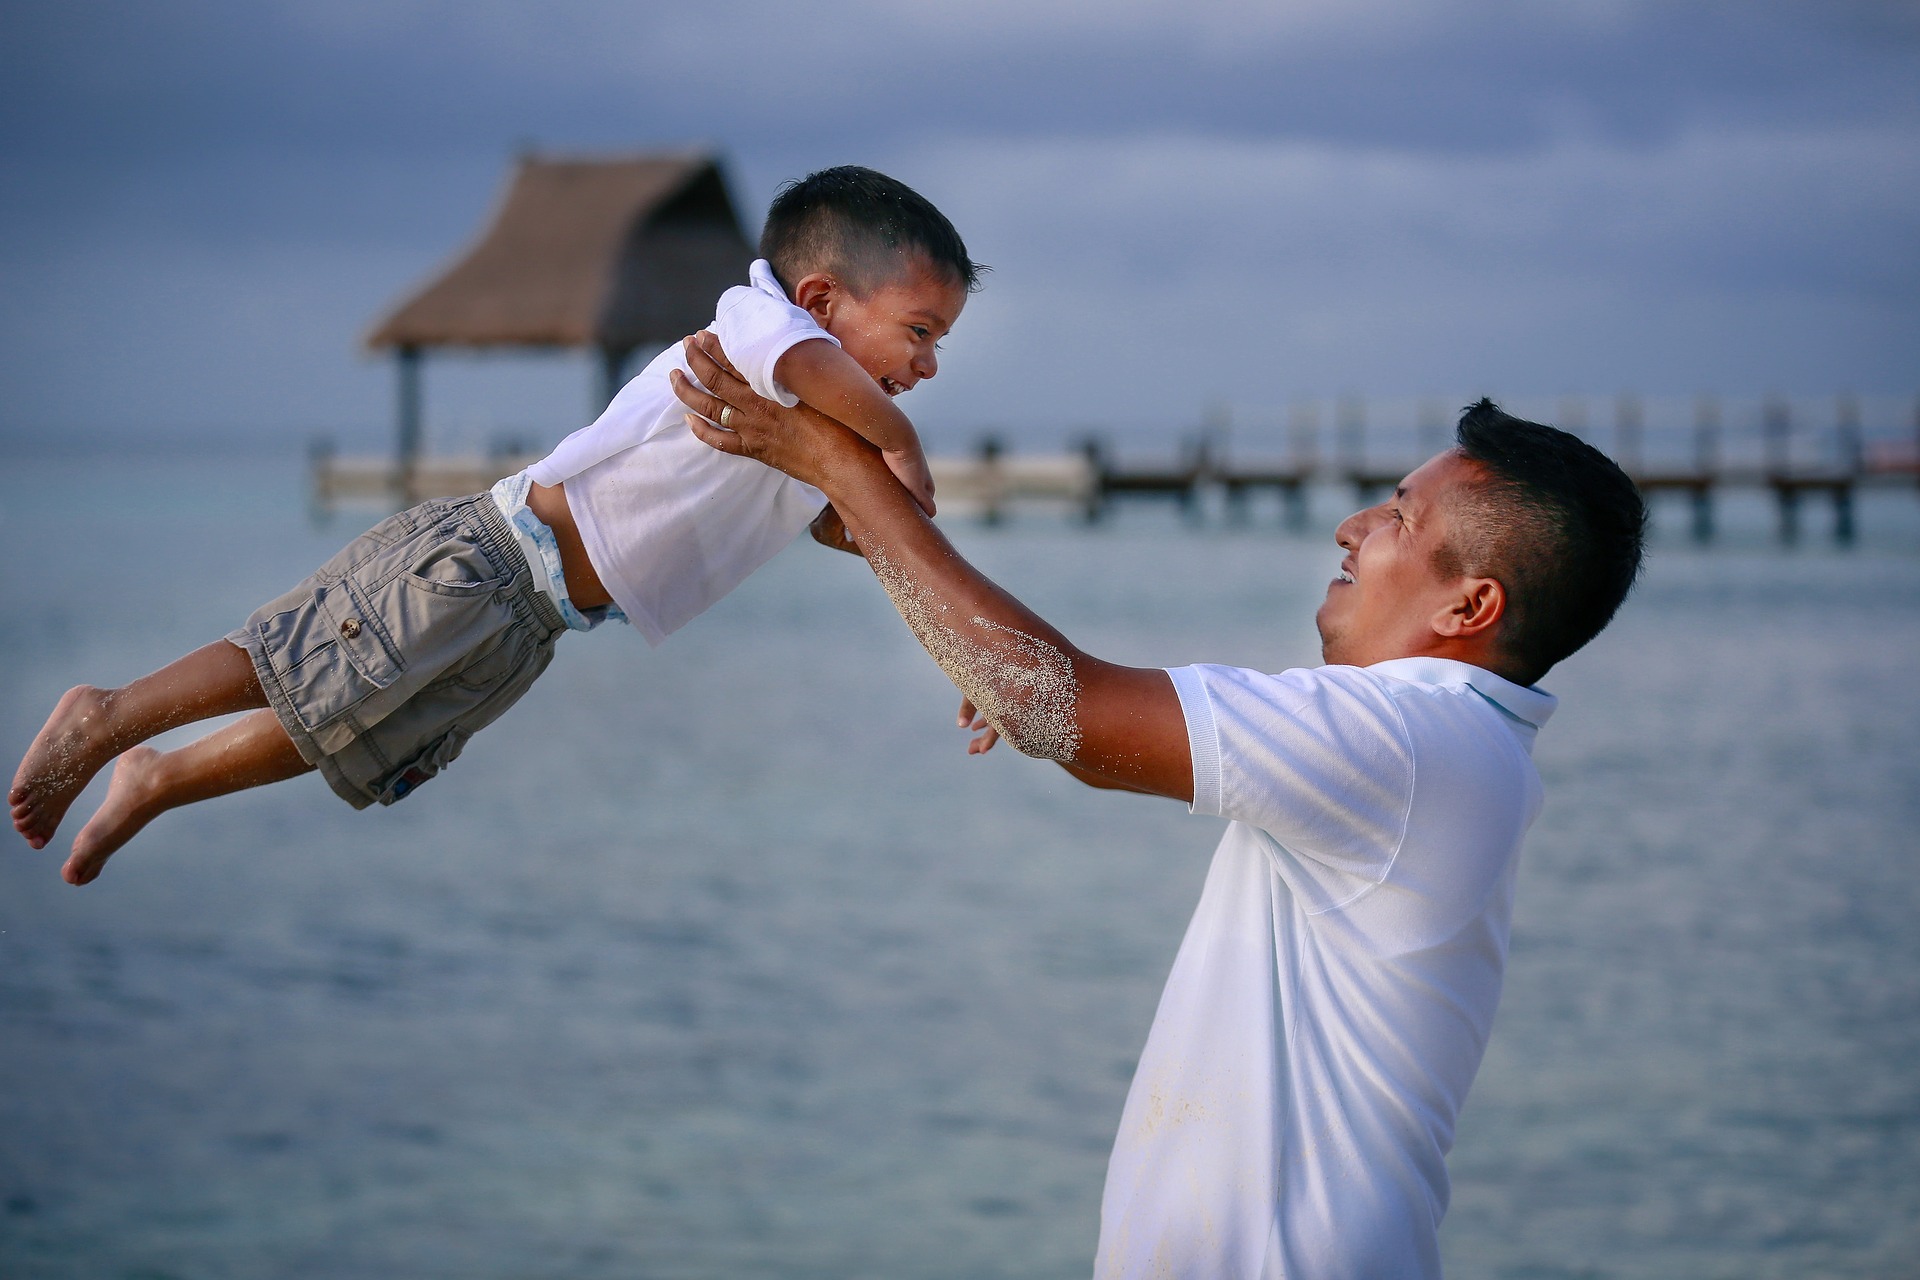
<point x="1119" y="724"/>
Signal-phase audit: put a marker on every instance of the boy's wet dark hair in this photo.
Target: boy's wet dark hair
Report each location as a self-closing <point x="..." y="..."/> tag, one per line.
<point x="1555" y="522"/>
<point x="863" y="227"/>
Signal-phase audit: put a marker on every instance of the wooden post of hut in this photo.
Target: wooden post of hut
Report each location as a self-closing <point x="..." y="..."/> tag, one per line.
<point x="609" y="254"/>
<point x="613" y="371"/>
<point x="407" y="411"/>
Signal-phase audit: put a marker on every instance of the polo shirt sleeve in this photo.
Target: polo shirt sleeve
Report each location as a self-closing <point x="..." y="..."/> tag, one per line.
<point x="1320" y="760"/>
<point x="755" y="329"/>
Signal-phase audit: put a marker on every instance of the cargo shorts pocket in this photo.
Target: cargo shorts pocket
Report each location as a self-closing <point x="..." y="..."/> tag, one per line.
<point x="449" y="562"/>
<point x="330" y="654"/>
<point x="445" y="607"/>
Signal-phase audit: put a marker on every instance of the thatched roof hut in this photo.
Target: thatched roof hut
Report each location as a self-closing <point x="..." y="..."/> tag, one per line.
<point x="610" y="253"/>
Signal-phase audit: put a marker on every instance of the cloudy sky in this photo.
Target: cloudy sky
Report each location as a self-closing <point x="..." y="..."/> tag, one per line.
<point x="204" y="204"/>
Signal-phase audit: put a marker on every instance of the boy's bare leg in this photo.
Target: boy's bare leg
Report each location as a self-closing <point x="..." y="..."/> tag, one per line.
<point x="251" y="752"/>
<point x="91" y="726"/>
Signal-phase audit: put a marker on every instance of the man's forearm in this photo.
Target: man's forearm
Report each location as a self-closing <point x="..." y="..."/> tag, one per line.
<point x="1006" y="659"/>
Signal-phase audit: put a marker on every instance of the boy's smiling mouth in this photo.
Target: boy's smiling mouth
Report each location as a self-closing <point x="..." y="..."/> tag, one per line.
<point x="891" y="387"/>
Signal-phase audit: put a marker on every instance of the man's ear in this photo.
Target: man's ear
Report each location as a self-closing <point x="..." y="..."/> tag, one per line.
<point x="1474" y="611"/>
<point x="816" y="294"/>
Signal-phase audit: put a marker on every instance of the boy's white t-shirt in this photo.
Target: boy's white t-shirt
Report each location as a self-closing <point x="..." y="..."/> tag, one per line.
<point x="1328" y="1008"/>
<point x="670" y="523"/>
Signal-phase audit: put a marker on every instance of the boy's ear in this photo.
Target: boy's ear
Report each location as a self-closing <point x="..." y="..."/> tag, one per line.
<point x="816" y="294"/>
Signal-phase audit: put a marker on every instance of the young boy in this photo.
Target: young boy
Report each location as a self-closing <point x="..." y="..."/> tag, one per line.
<point x="422" y="631"/>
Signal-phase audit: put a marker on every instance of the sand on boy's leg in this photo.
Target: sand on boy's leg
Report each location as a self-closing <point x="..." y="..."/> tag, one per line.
<point x="90" y="726"/>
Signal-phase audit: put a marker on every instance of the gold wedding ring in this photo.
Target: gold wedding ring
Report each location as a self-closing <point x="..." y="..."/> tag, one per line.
<point x="726" y="416"/>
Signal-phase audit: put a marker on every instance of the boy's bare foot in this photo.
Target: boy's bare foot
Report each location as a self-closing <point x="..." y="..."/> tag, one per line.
<point x="128" y="807"/>
<point x="70" y="749"/>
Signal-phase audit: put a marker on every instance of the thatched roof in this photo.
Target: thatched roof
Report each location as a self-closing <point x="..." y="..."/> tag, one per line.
<point x="612" y="253"/>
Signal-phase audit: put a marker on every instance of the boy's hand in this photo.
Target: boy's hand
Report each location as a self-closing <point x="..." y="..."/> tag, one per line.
<point x="909" y="467"/>
<point x="829" y="530"/>
<point x="986" y="734"/>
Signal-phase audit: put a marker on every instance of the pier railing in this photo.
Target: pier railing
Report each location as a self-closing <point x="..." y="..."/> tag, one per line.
<point x="1697" y="449"/>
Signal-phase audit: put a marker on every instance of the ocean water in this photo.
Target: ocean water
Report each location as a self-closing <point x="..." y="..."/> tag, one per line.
<point x="723" y="959"/>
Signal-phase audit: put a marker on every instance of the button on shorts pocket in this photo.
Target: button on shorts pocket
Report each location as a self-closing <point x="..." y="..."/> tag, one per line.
<point x="329" y="653"/>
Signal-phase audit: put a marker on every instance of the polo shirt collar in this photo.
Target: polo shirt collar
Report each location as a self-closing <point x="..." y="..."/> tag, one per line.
<point x="1524" y="703"/>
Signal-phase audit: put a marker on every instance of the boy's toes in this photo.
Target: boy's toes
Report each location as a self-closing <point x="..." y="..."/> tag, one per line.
<point x="69" y="749"/>
<point x="27" y="821"/>
<point x="80" y="870"/>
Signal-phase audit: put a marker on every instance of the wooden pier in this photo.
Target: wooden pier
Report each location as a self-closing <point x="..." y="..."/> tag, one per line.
<point x="1841" y="468"/>
<point x="1091" y="480"/>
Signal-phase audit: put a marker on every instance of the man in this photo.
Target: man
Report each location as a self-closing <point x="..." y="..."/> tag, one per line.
<point x="1329" y="1006"/>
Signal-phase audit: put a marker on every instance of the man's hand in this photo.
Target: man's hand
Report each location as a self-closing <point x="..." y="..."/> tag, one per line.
<point x="985" y="735"/>
<point x="799" y="441"/>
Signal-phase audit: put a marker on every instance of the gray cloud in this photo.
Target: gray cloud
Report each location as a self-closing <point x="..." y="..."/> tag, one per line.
<point x="130" y="80"/>
<point x="206" y="202"/>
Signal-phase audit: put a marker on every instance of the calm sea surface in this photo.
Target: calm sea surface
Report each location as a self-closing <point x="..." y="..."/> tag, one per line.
<point x="723" y="960"/>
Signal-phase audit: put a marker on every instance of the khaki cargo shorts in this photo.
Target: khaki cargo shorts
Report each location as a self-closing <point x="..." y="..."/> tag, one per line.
<point x="416" y="636"/>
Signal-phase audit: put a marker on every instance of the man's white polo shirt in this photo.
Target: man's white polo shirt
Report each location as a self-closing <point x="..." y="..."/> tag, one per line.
<point x="1328" y="1008"/>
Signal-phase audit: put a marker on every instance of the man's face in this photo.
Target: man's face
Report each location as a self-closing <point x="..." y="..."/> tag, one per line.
<point x="1384" y="601"/>
<point x="894" y="332"/>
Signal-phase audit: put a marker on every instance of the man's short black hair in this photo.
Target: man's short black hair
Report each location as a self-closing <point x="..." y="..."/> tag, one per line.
<point x="1556" y="522"/>
<point x="863" y="227"/>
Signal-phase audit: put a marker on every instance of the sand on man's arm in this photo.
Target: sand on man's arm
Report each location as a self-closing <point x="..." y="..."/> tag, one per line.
<point x="1023" y="685"/>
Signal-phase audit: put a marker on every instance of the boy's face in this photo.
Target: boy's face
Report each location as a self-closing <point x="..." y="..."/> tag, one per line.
<point x="894" y="330"/>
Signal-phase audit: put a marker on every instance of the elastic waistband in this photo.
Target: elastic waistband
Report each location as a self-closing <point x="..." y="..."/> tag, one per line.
<point x="504" y="550"/>
<point x="541" y="550"/>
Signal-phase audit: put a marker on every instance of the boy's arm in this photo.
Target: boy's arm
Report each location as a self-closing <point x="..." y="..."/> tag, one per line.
<point x="830" y="380"/>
